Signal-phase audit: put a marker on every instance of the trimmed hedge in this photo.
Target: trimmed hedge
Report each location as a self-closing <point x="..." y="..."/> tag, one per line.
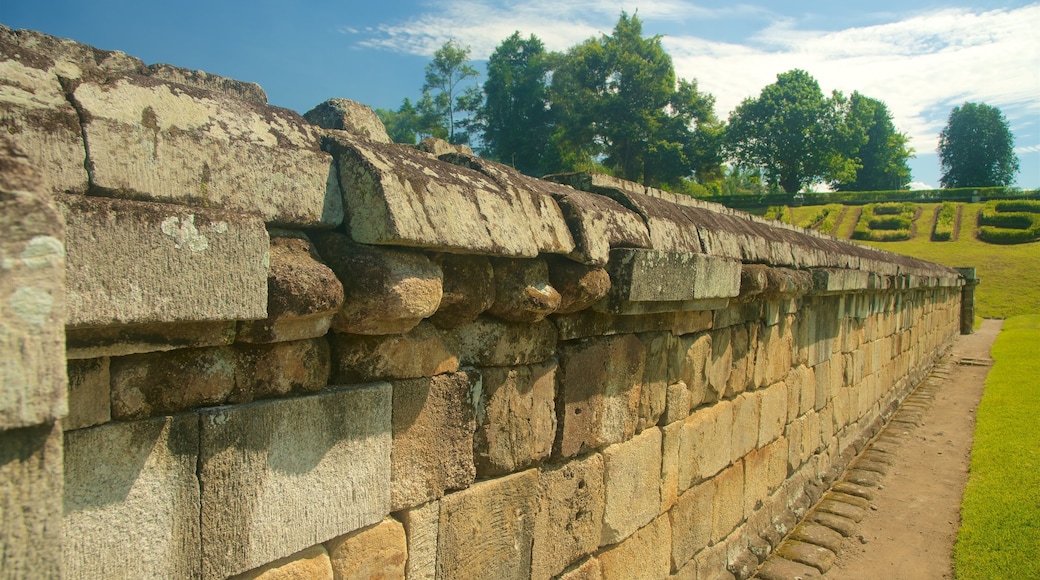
<point x="886" y="222"/>
<point x="1016" y="222"/>
<point x="779" y="212"/>
<point x="825" y="219"/>
<point x="864" y="197"/>
<point x="945" y="219"/>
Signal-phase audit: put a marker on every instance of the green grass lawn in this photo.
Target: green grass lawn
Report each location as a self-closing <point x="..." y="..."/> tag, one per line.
<point x="1010" y="274"/>
<point x="999" y="535"/>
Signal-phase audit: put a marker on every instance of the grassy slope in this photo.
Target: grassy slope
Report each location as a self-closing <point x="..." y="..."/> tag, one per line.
<point x="1010" y="274"/>
<point x="999" y="535"/>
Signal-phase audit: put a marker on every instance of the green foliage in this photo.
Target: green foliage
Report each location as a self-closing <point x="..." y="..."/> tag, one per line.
<point x="944" y="222"/>
<point x="1000" y="223"/>
<point x="976" y="148"/>
<point x="515" y="118"/>
<point x="411" y="123"/>
<point x="878" y="152"/>
<point x="1023" y="205"/>
<point x="790" y="130"/>
<point x="885" y="222"/>
<point x="780" y="213"/>
<point x="617" y="103"/>
<point x="1000" y="515"/>
<point x="443" y="93"/>
<point x="825" y="219"/>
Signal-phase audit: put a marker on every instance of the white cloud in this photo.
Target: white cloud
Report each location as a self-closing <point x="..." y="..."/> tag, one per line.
<point x="921" y="66"/>
<point x="915" y="185"/>
<point x="1028" y="149"/>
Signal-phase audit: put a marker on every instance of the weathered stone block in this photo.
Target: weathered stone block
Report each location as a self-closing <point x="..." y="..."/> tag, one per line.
<point x="727" y="510"/>
<point x="34" y="107"/>
<point x="132" y="484"/>
<point x="517" y="418"/>
<point x="653" y="390"/>
<point x="632" y="485"/>
<point x="671" y="439"/>
<point x="487" y="530"/>
<point x="421" y="530"/>
<point x="243" y="90"/>
<point x="312" y="563"/>
<point x="598" y="391"/>
<point x="89" y="399"/>
<point x="31" y="501"/>
<point x="423" y="352"/>
<point x="433" y="430"/>
<point x="706" y="445"/>
<point x="155" y="139"/>
<point x="691" y="520"/>
<point x="397" y="195"/>
<point x="646" y="555"/>
<point x="265" y="371"/>
<point x="589" y="569"/>
<point x="386" y="291"/>
<point x="570" y="515"/>
<point x="745" y="425"/>
<point x="32" y="282"/>
<point x="522" y="291"/>
<point x="656" y="276"/>
<point x="677" y="403"/>
<point x="589" y="323"/>
<point x="834" y="280"/>
<point x="101" y="341"/>
<point x="489" y="342"/>
<point x="280" y="476"/>
<point x="580" y="286"/>
<point x="691" y="357"/>
<point x="378" y="551"/>
<point x="145" y="385"/>
<point x="718" y="369"/>
<point x="302" y="294"/>
<point x="773" y="413"/>
<point x="598" y="224"/>
<point x="468" y="289"/>
<point x="349" y="116"/>
<point x="199" y="264"/>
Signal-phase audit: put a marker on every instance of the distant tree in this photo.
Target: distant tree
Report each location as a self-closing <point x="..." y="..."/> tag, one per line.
<point x="515" y="118"/>
<point x="411" y="123"/>
<point x="617" y="104"/>
<point x="789" y="131"/>
<point x="878" y="152"/>
<point x="977" y="148"/>
<point x="443" y="93"/>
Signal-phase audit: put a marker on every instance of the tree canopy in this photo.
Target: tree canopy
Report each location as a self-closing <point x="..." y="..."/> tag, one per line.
<point x="976" y="148"/>
<point x="789" y="131"/>
<point x="878" y="152"/>
<point x="617" y="103"/>
<point x="515" y="119"/>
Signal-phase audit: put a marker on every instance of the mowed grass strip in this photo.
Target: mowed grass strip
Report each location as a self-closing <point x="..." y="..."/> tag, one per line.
<point x="999" y="535"/>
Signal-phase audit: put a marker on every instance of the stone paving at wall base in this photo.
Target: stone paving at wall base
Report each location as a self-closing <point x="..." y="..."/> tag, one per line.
<point x="811" y="548"/>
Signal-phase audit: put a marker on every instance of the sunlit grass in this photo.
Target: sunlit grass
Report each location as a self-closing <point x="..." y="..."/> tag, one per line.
<point x="999" y="535"/>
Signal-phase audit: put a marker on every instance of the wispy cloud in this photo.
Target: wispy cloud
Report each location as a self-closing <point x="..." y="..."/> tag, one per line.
<point x="920" y="65"/>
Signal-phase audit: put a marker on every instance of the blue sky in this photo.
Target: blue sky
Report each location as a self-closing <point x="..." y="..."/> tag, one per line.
<point x="921" y="57"/>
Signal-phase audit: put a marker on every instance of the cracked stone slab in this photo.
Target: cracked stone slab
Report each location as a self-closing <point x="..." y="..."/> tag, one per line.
<point x="397" y="195"/>
<point x="158" y="140"/>
<point x="809" y="554"/>
<point x="843" y="509"/>
<point x="849" y="488"/>
<point x="189" y="264"/>
<point x="819" y="535"/>
<point x="849" y="499"/>
<point x="841" y="524"/>
<point x="777" y="568"/>
<point x="863" y="477"/>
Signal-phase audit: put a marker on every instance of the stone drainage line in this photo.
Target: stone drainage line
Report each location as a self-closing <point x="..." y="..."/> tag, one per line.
<point x="810" y="549"/>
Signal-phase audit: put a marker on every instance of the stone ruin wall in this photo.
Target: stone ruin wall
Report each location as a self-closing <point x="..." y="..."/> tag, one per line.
<point x="236" y="342"/>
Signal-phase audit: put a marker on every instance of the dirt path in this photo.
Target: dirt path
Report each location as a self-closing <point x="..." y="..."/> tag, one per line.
<point x="910" y="534"/>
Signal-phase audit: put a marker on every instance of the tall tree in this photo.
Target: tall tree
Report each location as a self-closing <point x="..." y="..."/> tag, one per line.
<point x="977" y="148"/>
<point x="413" y="122"/>
<point x="515" y="118"/>
<point x="616" y="103"/>
<point x="790" y="131"/>
<point x="444" y="77"/>
<point x="879" y="153"/>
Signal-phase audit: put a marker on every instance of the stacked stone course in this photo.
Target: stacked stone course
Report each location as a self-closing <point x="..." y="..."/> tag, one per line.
<point x="237" y="344"/>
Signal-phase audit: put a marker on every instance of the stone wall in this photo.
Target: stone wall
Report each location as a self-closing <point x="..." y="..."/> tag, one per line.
<point x="294" y="349"/>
